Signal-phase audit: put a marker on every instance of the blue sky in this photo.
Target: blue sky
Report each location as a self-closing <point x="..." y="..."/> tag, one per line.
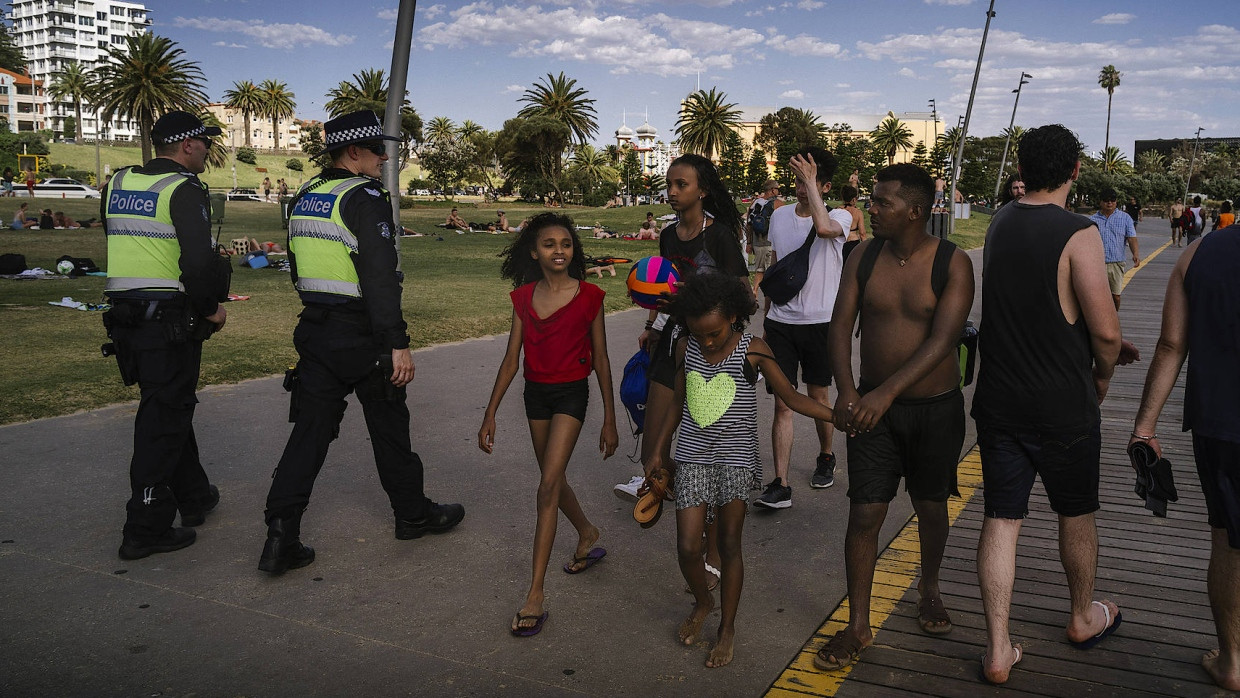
<point x="837" y="59"/>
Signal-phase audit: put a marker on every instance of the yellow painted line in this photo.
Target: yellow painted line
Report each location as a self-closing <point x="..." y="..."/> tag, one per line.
<point x="894" y="574"/>
<point x="1132" y="272"/>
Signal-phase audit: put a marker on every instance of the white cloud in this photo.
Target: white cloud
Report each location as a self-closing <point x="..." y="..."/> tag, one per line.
<point x="811" y="4"/>
<point x="388" y="15"/>
<point x="281" y="36"/>
<point x="1115" y="18"/>
<point x="842" y="85"/>
<point x="949" y="2"/>
<point x="906" y="72"/>
<point x="509" y="89"/>
<point x="805" y="45"/>
<point x="792" y="94"/>
<point x="225" y="44"/>
<point x="433" y="11"/>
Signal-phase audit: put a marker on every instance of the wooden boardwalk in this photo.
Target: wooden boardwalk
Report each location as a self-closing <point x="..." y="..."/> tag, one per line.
<point x="1154" y="569"/>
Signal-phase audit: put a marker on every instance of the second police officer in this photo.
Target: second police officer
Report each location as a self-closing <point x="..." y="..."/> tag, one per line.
<point x="351" y="338"/>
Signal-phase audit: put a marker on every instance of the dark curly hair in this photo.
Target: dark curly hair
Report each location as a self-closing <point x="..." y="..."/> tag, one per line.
<point x="701" y="293"/>
<point x="520" y="266"/>
<point x="916" y="185"/>
<point x="718" y="201"/>
<point x="1047" y="155"/>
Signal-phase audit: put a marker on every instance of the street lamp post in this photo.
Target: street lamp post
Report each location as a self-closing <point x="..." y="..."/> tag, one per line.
<point x="968" y="112"/>
<point x="1188" y="182"/>
<point x="1008" y="140"/>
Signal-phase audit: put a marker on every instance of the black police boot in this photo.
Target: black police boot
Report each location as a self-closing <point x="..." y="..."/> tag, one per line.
<point x="196" y="517"/>
<point x="172" y="539"/>
<point x="284" y="550"/>
<point x="439" y="518"/>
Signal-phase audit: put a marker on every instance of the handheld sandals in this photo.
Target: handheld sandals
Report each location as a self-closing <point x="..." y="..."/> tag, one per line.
<point x="650" y="497"/>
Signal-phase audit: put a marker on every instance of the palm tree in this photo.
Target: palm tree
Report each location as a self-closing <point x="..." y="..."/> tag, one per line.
<point x="951" y="139"/>
<point x="277" y="104"/>
<point x="1109" y="80"/>
<point x="246" y="98"/>
<point x="591" y="165"/>
<point x="367" y="90"/>
<point x="144" y="79"/>
<point x="556" y="97"/>
<point x="704" y="122"/>
<point x="469" y="128"/>
<point x="217" y="154"/>
<point x="613" y="154"/>
<point x="441" y="131"/>
<point x="890" y="136"/>
<point x="1151" y="162"/>
<point x="1113" y="159"/>
<point x="72" y="84"/>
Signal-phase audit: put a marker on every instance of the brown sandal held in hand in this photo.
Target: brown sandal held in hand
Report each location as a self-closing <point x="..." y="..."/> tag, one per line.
<point x="650" y="497"/>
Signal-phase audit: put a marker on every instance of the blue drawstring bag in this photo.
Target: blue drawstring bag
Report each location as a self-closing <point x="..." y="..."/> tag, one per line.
<point x="634" y="387"/>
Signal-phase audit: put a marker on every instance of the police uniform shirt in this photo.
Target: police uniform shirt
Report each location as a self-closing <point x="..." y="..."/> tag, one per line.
<point x="367" y="212"/>
<point x="190" y="209"/>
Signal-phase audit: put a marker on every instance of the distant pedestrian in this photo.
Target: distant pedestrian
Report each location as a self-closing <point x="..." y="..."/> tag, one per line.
<point x="856" y="233"/>
<point x="557" y="321"/>
<point x="1225" y="215"/>
<point x="1174" y="212"/>
<point x="29" y="176"/>
<point x="1198" y="223"/>
<point x="1049" y="342"/>
<point x="1013" y="189"/>
<point x="1116" y="229"/>
<point x="266" y="189"/>
<point x="1199" y="324"/>
<point x="1133" y="209"/>
<point x="757" y="226"/>
<point x="7" y="180"/>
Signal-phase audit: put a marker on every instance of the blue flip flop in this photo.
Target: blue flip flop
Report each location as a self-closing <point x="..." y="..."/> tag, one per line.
<point x="591" y="557"/>
<point x="1110" y="628"/>
<point x="533" y="629"/>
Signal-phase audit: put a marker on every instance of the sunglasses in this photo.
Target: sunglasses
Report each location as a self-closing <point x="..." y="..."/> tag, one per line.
<point x="377" y="148"/>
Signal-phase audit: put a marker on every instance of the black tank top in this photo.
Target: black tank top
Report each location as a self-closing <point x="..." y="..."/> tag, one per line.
<point x="1036" y="369"/>
<point x="1212" y="391"/>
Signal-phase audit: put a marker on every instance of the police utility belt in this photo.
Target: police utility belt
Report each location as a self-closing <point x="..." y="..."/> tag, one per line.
<point x="181" y="324"/>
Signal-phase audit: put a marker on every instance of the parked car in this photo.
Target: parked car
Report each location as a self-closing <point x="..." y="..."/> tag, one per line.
<point x="243" y="194"/>
<point x="58" y="188"/>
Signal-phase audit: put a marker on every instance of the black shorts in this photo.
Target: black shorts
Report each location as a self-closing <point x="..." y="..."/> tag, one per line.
<point x="1218" y="466"/>
<point x="545" y="399"/>
<point x="803" y="346"/>
<point x="849" y="246"/>
<point x="919" y="440"/>
<point x="1066" y="461"/>
<point x="663" y="360"/>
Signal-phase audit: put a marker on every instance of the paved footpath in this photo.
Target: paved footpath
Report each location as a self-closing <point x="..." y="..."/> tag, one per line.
<point x="374" y="615"/>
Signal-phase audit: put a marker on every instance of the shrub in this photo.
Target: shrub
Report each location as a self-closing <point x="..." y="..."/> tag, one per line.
<point x="294" y="164"/>
<point x="247" y="155"/>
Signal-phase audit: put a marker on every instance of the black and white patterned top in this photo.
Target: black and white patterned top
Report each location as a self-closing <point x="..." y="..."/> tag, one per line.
<point x="719" y="421"/>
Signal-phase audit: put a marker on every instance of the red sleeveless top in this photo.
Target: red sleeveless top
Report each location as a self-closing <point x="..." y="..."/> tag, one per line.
<point x="557" y="348"/>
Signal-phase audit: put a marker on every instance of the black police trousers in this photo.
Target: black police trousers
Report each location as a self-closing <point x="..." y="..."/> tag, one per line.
<point x="164" y="474"/>
<point x="338" y="356"/>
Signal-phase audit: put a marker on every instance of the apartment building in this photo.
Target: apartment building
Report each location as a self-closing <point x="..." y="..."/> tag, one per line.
<point x="261" y="135"/>
<point x="55" y="33"/>
<point x="21" y="101"/>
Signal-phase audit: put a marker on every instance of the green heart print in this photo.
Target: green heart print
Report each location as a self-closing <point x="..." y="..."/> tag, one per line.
<point x="708" y="400"/>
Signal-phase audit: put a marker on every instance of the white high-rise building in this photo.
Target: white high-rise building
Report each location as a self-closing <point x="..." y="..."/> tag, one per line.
<point x="55" y="33"/>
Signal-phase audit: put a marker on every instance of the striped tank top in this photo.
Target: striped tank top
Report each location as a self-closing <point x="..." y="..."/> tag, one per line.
<point x="719" y="421"/>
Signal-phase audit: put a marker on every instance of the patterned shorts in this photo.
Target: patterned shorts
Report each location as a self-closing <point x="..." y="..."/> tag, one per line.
<point x="715" y="485"/>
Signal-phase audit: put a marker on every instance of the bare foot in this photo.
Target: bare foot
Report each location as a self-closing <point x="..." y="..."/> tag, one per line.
<point x="721" y="653"/>
<point x="585" y="543"/>
<point x="998" y="672"/>
<point x="529" y="614"/>
<point x="691" y="626"/>
<point x="1096" y="621"/>
<point x="1225" y="678"/>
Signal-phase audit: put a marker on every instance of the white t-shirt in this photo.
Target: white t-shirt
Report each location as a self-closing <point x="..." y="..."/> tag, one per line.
<point x="813" y="305"/>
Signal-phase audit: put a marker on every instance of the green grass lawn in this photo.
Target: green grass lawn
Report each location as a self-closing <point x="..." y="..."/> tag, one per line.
<point x="52" y="363"/>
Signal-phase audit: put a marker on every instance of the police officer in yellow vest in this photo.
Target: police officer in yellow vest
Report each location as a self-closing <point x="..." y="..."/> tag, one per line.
<point x="351" y="338"/>
<point x="164" y="286"/>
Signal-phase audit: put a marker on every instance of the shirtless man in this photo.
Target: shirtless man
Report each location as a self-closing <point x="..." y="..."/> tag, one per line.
<point x="940" y="189"/>
<point x="1176" y="210"/>
<point x="907" y="416"/>
<point x="456" y="223"/>
<point x="857" y="232"/>
<point x="854" y="179"/>
<point x="649" y="229"/>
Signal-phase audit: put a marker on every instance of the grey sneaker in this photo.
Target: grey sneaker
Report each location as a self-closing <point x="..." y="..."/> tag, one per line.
<point x="776" y="496"/>
<point x="824" y="472"/>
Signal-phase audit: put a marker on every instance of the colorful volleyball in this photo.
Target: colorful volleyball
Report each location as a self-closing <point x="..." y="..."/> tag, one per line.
<point x="651" y="277"/>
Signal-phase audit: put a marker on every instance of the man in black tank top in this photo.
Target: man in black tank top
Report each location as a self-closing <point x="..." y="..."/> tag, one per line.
<point x="1049" y="341"/>
<point x="1199" y="323"/>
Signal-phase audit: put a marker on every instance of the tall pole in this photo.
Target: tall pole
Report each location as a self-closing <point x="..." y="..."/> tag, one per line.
<point x="399" y="77"/>
<point x="1189" y="181"/>
<point x="934" y="115"/>
<point x="968" y="112"/>
<point x="1008" y="141"/>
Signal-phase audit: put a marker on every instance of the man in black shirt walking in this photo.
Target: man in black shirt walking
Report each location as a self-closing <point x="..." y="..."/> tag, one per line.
<point x="1049" y="342"/>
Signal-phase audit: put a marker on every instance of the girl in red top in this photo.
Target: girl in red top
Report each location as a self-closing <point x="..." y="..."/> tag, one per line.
<point x="557" y="320"/>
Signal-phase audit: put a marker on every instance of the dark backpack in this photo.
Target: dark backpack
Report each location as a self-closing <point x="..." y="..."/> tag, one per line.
<point x="760" y="218"/>
<point x="634" y="387"/>
<point x="12" y="263"/>
<point x="966" y="347"/>
<point x="1188" y="222"/>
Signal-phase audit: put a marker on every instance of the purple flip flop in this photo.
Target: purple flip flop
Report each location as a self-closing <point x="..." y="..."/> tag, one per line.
<point x="591" y="557"/>
<point x="533" y="629"/>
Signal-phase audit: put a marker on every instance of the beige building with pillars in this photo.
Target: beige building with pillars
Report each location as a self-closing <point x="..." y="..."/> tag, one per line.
<point x="22" y="103"/>
<point x="261" y="136"/>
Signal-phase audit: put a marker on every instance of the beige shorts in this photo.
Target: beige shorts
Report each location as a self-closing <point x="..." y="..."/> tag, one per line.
<point x="1115" y="277"/>
<point x="761" y="258"/>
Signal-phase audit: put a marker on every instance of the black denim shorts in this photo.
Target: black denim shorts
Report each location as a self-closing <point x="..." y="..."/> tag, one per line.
<point x="545" y="399"/>
<point x="1218" y="466"/>
<point x="1067" y="462"/>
